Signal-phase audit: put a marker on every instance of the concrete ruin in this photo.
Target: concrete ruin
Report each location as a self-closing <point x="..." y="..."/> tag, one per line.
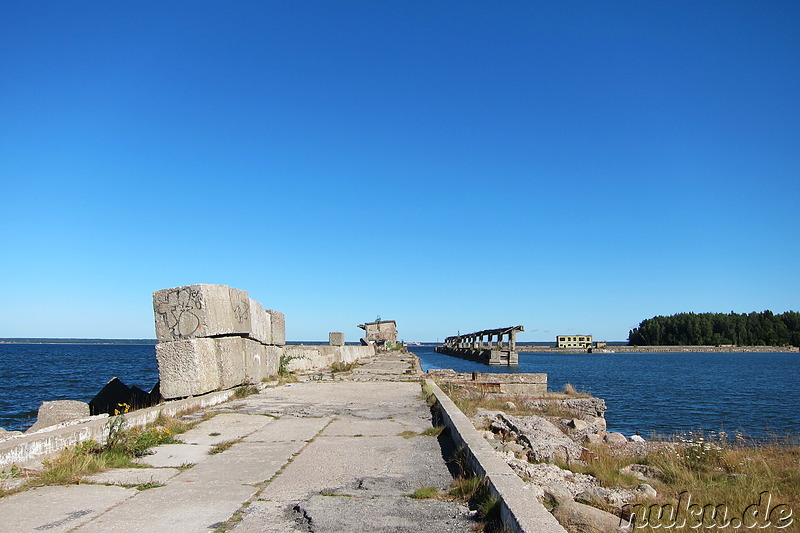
<point x="381" y="333"/>
<point x="473" y="347"/>
<point x="214" y="337"/>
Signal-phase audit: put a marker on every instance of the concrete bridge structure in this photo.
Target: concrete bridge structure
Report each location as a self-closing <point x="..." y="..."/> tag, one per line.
<point x="472" y="346"/>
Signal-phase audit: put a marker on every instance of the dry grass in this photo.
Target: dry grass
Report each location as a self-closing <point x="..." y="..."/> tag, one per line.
<point x="713" y="473"/>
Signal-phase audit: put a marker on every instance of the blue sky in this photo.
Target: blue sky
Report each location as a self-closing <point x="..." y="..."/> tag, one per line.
<point x="572" y="167"/>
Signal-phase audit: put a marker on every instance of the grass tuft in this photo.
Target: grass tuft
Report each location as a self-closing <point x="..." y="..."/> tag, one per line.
<point x="424" y="493"/>
<point x="222" y="446"/>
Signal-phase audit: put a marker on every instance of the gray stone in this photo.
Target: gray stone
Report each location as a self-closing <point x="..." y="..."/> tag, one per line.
<point x="271" y="361"/>
<point x="254" y="364"/>
<point x="187" y="367"/>
<point x="336" y="338"/>
<point x="647" y="491"/>
<point x="56" y="412"/>
<point x="545" y="442"/>
<point x="598" y="422"/>
<point x="615" y="438"/>
<point x="510" y="406"/>
<point x="278" y="327"/>
<point x="201" y="311"/>
<point x="643" y="472"/>
<point x="260" y="323"/>
<point x="578" y="424"/>
<point x="593" y="438"/>
<point x="231" y="360"/>
<point x="580" y="518"/>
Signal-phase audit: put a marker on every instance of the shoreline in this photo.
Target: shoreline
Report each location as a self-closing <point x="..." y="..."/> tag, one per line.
<point x="660" y="349"/>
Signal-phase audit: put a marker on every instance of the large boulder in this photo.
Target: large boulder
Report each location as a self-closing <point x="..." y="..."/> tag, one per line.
<point x="580" y="518"/>
<point x="544" y="442"/>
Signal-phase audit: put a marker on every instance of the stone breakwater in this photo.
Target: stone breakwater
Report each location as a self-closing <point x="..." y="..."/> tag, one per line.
<point x="214" y="337"/>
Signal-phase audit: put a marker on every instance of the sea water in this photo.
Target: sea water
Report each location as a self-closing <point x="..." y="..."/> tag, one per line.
<point x="670" y="393"/>
<point x="755" y="393"/>
<point x="33" y="373"/>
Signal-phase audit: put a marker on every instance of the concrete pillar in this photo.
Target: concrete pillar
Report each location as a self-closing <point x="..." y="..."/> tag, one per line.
<point x="336" y="338"/>
<point x="512" y="340"/>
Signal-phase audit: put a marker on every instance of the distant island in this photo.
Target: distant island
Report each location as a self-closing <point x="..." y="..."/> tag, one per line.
<point x="718" y="329"/>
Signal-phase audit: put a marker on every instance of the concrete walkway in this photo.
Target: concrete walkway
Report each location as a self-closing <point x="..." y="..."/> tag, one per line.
<point x="316" y="456"/>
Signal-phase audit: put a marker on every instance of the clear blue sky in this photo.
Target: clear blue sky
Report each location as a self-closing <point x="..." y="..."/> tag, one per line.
<point x="572" y="167"/>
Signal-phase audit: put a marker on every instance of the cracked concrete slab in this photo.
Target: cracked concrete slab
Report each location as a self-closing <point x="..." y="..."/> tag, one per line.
<point x="224" y="427"/>
<point x="132" y="476"/>
<point x="175" y="455"/>
<point x="60" y="508"/>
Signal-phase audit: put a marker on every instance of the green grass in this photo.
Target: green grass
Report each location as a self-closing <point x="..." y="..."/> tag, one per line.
<point x="245" y="391"/>
<point x="434" y="431"/>
<point x="222" y="446"/>
<point x="343" y="367"/>
<point x="424" y="493"/>
<point x="121" y="447"/>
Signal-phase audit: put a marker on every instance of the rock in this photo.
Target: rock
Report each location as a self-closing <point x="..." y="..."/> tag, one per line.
<point x="598" y="422"/>
<point x="647" y="490"/>
<point x="544" y="474"/>
<point x="643" y="471"/>
<point x="5" y="434"/>
<point x="56" y="412"/>
<point x="557" y="492"/>
<point x="637" y="438"/>
<point x="615" y="438"/>
<point x="580" y="518"/>
<point x="514" y="448"/>
<point x="578" y="424"/>
<point x="488" y="435"/>
<point x="630" y="472"/>
<point x="593" y="438"/>
<point x="544" y="441"/>
<point x="511" y="406"/>
<point x="593" y="496"/>
<point x="580" y="407"/>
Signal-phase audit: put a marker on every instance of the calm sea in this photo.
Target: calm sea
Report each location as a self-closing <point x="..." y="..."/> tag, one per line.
<point x="666" y="393"/>
<point x="757" y="394"/>
<point x="33" y="373"/>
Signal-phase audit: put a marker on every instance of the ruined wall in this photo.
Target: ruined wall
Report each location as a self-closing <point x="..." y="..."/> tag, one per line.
<point x="214" y="337"/>
<point x="306" y="358"/>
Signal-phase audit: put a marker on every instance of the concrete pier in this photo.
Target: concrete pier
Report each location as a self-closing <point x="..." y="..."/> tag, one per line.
<point x="490" y="346"/>
<point x="325" y="455"/>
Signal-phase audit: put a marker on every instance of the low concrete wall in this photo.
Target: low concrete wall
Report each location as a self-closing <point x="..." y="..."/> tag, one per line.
<point x="307" y="358"/>
<point x="49" y="441"/>
<point x="520" y="511"/>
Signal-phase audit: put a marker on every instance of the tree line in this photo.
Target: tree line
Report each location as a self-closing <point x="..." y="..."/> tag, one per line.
<point x="688" y="329"/>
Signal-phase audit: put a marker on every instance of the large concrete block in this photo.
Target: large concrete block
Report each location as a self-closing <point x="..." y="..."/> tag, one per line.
<point x="187" y="367"/>
<point x="260" y="323"/>
<point x="231" y="361"/>
<point x="336" y="338"/>
<point x="254" y="355"/>
<point x="271" y="361"/>
<point x="201" y="311"/>
<point x="278" y="323"/>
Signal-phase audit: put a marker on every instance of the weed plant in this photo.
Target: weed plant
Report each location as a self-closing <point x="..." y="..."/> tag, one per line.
<point x="121" y="447"/>
<point x="343" y="367"/>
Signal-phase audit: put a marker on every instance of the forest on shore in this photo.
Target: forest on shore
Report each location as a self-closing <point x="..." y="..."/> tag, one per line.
<point x="712" y="329"/>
